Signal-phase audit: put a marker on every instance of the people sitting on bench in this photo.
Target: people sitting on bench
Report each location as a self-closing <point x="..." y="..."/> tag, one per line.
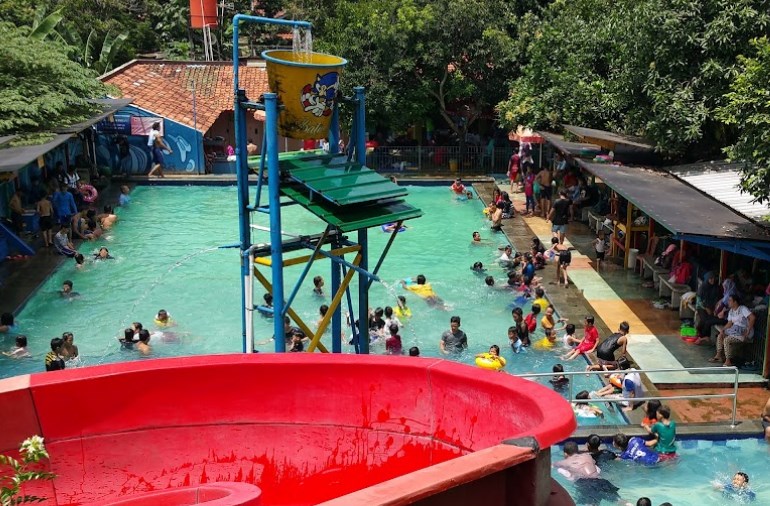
<point x="709" y="295"/>
<point x="738" y="329"/>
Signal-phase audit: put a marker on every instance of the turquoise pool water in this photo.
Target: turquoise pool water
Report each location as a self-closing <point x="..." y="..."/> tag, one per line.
<point x="166" y="256"/>
<point x="687" y="480"/>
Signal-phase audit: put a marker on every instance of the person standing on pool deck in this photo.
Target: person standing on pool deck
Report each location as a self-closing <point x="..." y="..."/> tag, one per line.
<point x="157" y="144"/>
<point x="559" y="216"/>
<point x="64" y="205"/>
<point x="45" y="211"/>
<point x="544" y="179"/>
<point x="453" y="340"/>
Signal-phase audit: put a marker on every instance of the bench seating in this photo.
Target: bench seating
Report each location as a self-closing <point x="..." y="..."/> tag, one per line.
<point x="595" y="221"/>
<point x="649" y="269"/>
<point x="676" y="291"/>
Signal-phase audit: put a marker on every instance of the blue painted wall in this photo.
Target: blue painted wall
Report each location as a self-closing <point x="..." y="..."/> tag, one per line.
<point x="186" y="142"/>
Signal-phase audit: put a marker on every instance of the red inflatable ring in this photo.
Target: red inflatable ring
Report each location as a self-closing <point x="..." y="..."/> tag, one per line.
<point x="88" y="192"/>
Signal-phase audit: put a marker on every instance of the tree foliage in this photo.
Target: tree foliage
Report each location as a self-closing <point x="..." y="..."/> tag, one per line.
<point x="747" y="106"/>
<point x="416" y="56"/>
<point x="41" y="89"/>
<point x="656" y="68"/>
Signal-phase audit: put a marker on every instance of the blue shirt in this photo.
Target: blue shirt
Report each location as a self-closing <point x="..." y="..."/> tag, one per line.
<point x="64" y="204"/>
<point x="124" y="199"/>
<point x="731" y="492"/>
<point x="528" y="271"/>
<point x="639" y="452"/>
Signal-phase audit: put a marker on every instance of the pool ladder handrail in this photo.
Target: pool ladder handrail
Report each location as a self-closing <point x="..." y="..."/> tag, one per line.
<point x="722" y="369"/>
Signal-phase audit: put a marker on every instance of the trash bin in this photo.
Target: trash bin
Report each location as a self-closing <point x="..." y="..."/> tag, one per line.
<point x="632" y="254"/>
<point x="453" y="165"/>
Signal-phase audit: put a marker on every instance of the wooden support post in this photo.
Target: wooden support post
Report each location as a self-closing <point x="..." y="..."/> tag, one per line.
<point x="627" y="238"/>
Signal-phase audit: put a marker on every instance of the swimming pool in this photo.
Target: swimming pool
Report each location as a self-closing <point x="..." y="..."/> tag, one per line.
<point x="167" y="257"/>
<point x="687" y="480"/>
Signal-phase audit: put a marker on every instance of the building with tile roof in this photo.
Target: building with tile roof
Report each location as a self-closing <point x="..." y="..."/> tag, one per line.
<point x="195" y="100"/>
<point x="169" y="88"/>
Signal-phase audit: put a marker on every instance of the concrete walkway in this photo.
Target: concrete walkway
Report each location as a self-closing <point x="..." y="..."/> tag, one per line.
<point x="614" y="295"/>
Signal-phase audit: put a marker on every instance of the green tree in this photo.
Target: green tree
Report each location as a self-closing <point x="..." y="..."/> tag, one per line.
<point x="747" y="106"/>
<point x="41" y="89"/>
<point x="418" y="56"/>
<point x="654" y="68"/>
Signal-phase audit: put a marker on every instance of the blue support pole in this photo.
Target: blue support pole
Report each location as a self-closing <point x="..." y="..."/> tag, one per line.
<point x="363" y="236"/>
<point x="274" y="202"/>
<point x="334" y="130"/>
<point x="336" y="280"/>
<point x="243" y="192"/>
<point x="360" y="125"/>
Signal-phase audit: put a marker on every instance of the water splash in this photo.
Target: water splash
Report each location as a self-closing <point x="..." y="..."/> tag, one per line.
<point x="128" y="318"/>
<point x="302" y="43"/>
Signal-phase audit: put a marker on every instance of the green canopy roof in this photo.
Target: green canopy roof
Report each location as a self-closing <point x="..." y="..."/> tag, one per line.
<point x="345" y="194"/>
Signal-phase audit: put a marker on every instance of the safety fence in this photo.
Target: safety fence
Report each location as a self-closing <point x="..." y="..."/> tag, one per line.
<point x="621" y="400"/>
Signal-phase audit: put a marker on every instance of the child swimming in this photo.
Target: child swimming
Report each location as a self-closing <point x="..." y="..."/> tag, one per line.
<point x="737" y="489"/>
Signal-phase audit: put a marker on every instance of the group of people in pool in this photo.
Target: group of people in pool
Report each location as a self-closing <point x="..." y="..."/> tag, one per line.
<point x="584" y="468"/>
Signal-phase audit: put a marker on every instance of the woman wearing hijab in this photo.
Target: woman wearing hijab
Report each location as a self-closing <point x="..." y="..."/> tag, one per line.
<point x="709" y="295"/>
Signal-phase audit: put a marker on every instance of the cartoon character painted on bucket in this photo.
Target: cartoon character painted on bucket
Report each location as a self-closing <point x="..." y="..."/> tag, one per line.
<point x="318" y="98"/>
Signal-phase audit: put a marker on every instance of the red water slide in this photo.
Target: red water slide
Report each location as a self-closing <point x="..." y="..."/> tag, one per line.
<point x="304" y="428"/>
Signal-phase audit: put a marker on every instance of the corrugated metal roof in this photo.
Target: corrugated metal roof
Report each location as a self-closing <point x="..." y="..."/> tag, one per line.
<point x="676" y="205"/>
<point x="569" y="148"/>
<point x="610" y="140"/>
<point x="721" y="180"/>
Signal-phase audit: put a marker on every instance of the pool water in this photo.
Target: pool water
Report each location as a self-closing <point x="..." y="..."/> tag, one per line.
<point x="687" y="481"/>
<point x="167" y="256"/>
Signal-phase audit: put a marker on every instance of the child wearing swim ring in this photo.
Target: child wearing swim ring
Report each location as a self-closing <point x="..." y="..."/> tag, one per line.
<point x="493" y="357"/>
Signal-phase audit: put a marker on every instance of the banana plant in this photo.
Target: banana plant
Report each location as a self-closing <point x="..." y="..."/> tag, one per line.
<point x="44" y="25"/>
<point x="85" y="53"/>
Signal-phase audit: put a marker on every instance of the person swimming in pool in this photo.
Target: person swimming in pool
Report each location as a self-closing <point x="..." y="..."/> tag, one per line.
<point x="424" y="289"/>
<point x="737" y="489"/>
<point x="103" y="254"/>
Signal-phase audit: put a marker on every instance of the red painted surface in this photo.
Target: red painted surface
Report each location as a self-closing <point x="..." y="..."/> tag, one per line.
<point x="304" y="428"/>
<point x="203" y="13"/>
<point x="213" y="494"/>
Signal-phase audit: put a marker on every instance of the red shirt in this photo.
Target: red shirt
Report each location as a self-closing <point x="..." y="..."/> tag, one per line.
<point x="590" y="336"/>
<point x="531" y="321"/>
<point x="393" y="345"/>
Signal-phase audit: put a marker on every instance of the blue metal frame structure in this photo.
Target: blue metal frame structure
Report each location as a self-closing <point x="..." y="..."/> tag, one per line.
<point x="340" y="268"/>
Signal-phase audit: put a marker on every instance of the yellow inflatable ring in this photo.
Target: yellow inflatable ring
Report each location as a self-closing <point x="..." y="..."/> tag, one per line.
<point x="616" y="380"/>
<point x="486" y="210"/>
<point x="160" y="323"/>
<point x="491" y="362"/>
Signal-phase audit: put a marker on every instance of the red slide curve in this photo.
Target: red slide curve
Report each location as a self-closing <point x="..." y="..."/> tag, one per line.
<point x="304" y="428"/>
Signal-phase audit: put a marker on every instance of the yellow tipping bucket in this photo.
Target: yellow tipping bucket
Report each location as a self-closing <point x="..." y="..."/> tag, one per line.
<point x="306" y="85"/>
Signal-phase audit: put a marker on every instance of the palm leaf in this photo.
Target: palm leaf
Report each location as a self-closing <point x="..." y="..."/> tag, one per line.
<point x="43" y="26"/>
<point x="90" y="48"/>
<point x="110" y="49"/>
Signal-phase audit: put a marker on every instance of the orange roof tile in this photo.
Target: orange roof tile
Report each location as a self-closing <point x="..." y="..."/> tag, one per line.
<point x="166" y="88"/>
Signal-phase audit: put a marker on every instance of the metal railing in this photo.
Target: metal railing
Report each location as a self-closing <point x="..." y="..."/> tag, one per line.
<point x="721" y="369"/>
<point x="441" y="159"/>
